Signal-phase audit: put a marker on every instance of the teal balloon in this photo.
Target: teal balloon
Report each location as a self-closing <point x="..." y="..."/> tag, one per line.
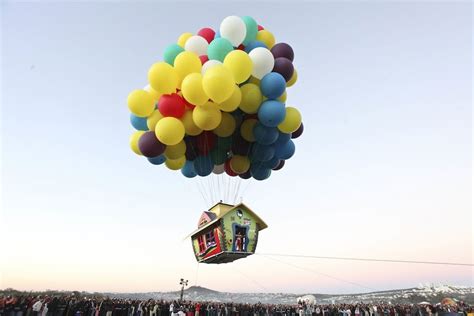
<point x="285" y="151"/>
<point x="139" y="123"/>
<point x="203" y="165"/>
<point x="218" y="155"/>
<point x="262" y="152"/>
<point x="252" y="29"/>
<point x="259" y="172"/>
<point x="188" y="169"/>
<point x="158" y="160"/>
<point x="224" y="142"/>
<point x="171" y="52"/>
<point x="219" y="48"/>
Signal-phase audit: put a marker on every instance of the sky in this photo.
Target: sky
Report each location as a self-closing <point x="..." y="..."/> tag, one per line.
<point x="383" y="169"/>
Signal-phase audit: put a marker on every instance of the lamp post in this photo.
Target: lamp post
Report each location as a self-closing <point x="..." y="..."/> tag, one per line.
<point x="183" y="283"/>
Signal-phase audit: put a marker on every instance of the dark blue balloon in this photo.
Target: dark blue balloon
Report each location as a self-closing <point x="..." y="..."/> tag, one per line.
<point x="265" y="135"/>
<point x="272" y="163"/>
<point x="271" y="113"/>
<point x="286" y="150"/>
<point x="254" y="44"/>
<point x="259" y="172"/>
<point x="138" y="123"/>
<point x="188" y="169"/>
<point x="282" y="139"/>
<point x="273" y="85"/>
<point x="262" y="152"/>
<point x="158" y="160"/>
<point x="203" y="165"/>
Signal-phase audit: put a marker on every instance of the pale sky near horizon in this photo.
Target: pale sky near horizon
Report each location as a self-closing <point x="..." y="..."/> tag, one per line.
<point x="383" y="170"/>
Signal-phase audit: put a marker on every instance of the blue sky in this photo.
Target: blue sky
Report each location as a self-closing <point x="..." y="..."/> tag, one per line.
<point x="382" y="170"/>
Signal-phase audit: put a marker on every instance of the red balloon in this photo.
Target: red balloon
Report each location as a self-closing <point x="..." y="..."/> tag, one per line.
<point x="205" y="142"/>
<point x="207" y="33"/>
<point x="251" y="116"/>
<point x="203" y="59"/>
<point x="241" y="47"/>
<point x="260" y="27"/>
<point x="228" y="169"/>
<point x="171" y="105"/>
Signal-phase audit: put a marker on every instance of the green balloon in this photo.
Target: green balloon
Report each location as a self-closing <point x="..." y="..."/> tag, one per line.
<point x="219" y="48"/>
<point x="218" y="155"/>
<point x="252" y="29"/>
<point x="171" y="52"/>
<point x="224" y="142"/>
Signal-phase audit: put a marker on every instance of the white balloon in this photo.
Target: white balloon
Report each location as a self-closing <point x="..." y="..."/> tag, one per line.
<point x="233" y="28"/>
<point x="218" y="169"/>
<point x="196" y="44"/>
<point x="208" y="64"/>
<point x="263" y="61"/>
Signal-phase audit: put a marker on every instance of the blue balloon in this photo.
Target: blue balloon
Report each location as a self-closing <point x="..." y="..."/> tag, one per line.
<point x="262" y="152"/>
<point x="265" y="135"/>
<point x="203" y="165"/>
<point x="188" y="169"/>
<point x="259" y="172"/>
<point x="273" y="85"/>
<point x="139" y="123"/>
<point x="285" y="151"/>
<point x="254" y="44"/>
<point x="158" y="160"/>
<point x="282" y="139"/>
<point x="271" y="113"/>
<point x="272" y="163"/>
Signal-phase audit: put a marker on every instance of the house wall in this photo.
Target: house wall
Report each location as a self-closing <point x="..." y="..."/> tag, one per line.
<point x="247" y="220"/>
<point x="210" y="251"/>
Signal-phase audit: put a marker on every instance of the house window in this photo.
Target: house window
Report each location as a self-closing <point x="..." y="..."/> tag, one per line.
<point x="202" y="245"/>
<point x="210" y="239"/>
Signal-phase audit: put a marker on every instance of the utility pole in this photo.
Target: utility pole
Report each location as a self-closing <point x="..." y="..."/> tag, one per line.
<point x="183" y="283"/>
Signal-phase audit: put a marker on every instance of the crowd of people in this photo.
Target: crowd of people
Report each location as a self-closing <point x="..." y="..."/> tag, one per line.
<point x="62" y="305"/>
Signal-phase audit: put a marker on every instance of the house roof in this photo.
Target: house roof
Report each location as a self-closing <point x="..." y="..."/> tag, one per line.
<point x="221" y="209"/>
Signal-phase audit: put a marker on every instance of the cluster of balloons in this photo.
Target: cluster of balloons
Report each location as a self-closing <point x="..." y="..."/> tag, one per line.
<point x="217" y="103"/>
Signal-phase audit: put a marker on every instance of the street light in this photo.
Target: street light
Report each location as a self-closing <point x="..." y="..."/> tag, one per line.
<point x="183" y="283"/>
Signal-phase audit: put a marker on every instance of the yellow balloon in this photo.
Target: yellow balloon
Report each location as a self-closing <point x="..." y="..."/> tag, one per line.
<point x="189" y="125"/>
<point x="140" y="103"/>
<point x="291" y="122"/>
<point x="169" y="130"/>
<point x="134" y="142"/>
<point x="232" y="103"/>
<point x="240" y="64"/>
<point x="153" y="119"/>
<point x="207" y="117"/>
<point x="175" y="151"/>
<point x="155" y="94"/>
<point x="239" y="164"/>
<point x="266" y="38"/>
<point x="254" y="80"/>
<point x="226" y="127"/>
<point x="251" y="98"/>
<point x="192" y="89"/>
<point x="282" y="98"/>
<point x="246" y="129"/>
<point x="175" y="164"/>
<point x="163" y="78"/>
<point x="186" y="63"/>
<point x="218" y="83"/>
<point x="293" y="79"/>
<point x="183" y="38"/>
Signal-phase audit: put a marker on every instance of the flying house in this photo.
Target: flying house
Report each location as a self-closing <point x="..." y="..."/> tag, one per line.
<point x="226" y="233"/>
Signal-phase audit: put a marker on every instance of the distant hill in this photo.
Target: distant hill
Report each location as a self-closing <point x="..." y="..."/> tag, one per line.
<point x="431" y="293"/>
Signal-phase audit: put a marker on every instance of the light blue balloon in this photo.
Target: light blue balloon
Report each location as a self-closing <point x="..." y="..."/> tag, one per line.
<point x="262" y="152"/>
<point x="273" y="85"/>
<point x="188" y="169"/>
<point x="272" y="163"/>
<point x="285" y="151"/>
<point x="265" y="135"/>
<point x="158" y="160"/>
<point x="203" y="165"/>
<point x="171" y="52"/>
<point x="271" y="113"/>
<point x="259" y="172"/>
<point x="253" y="45"/>
<point x="138" y="123"/>
<point x="252" y="29"/>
